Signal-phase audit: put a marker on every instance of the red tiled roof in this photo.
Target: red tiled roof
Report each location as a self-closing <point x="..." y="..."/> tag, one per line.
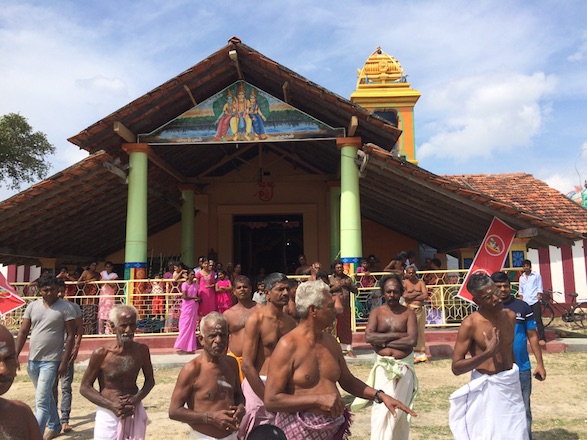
<point x="528" y="194"/>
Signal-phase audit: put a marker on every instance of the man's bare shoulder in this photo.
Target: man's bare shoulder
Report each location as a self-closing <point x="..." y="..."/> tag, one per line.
<point x="193" y="367"/>
<point x="385" y="310"/>
<point x="14" y="406"/>
<point x="470" y="321"/>
<point x="233" y="312"/>
<point x="230" y="362"/>
<point x="289" y="342"/>
<point x="289" y="321"/>
<point x="329" y="341"/>
<point x="102" y="351"/>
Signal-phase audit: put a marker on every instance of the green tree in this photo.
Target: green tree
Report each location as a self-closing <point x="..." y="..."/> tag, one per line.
<point x="22" y="151"/>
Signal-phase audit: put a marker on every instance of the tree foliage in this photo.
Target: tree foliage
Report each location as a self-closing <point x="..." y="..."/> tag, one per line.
<point x="22" y="151"/>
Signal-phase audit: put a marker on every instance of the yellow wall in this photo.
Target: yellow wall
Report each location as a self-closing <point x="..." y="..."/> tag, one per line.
<point x="294" y="193"/>
<point x="383" y="242"/>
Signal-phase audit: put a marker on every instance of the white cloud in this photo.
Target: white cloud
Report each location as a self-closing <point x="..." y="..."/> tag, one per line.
<point x="484" y="114"/>
<point x="581" y="53"/>
<point x="564" y="183"/>
<point x="100" y="83"/>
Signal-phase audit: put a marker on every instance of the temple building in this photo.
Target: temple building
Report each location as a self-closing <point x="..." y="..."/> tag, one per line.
<point x="243" y="160"/>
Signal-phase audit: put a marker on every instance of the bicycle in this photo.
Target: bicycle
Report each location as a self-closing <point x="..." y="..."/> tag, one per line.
<point x="575" y="313"/>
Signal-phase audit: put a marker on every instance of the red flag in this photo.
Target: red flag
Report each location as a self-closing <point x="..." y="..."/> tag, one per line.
<point x="491" y="254"/>
<point x="9" y="299"/>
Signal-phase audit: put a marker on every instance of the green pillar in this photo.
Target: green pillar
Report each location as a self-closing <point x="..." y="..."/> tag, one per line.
<point x="136" y="214"/>
<point x="334" y="194"/>
<point x="351" y="244"/>
<point x="187" y="224"/>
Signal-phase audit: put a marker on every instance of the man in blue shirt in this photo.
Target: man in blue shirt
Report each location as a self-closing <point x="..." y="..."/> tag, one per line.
<point x="525" y="332"/>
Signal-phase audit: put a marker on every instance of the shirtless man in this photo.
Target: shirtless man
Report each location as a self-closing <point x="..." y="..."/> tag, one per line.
<point x="416" y="294"/>
<point x="17" y="421"/>
<point x="304" y="371"/>
<point x="263" y="330"/>
<point x="116" y="366"/>
<point x="488" y="336"/>
<point x="210" y="386"/>
<point x="392" y="331"/>
<point x="237" y="316"/>
<point x="342" y="285"/>
<point x="304" y="268"/>
<point x="397" y="264"/>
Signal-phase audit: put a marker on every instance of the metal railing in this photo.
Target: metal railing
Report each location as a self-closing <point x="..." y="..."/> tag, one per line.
<point x="158" y="301"/>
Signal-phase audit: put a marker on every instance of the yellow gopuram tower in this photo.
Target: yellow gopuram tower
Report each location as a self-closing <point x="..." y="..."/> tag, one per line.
<point x="383" y="89"/>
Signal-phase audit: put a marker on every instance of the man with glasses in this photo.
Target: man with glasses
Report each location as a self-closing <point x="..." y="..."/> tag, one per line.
<point x="490" y="406"/>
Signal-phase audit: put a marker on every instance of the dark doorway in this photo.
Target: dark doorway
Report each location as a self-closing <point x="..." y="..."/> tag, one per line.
<point x="271" y="242"/>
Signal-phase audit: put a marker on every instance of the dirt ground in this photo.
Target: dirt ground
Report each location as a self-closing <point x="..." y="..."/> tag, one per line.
<point x="558" y="403"/>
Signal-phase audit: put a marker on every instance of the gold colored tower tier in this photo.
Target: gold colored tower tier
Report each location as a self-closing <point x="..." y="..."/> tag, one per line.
<point x="382" y="88"/>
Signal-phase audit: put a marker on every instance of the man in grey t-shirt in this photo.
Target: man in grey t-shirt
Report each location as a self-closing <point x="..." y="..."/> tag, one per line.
<point x="47" y="320"/>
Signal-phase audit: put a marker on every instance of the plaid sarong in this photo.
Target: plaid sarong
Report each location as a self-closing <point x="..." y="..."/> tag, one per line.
<point x="310" y="426"/>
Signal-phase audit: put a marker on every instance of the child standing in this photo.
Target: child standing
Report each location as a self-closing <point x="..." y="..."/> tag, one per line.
<point x="223" y="291"/>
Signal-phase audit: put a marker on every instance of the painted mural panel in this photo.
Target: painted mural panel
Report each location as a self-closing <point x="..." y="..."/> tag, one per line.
<point x="241" y="113"/>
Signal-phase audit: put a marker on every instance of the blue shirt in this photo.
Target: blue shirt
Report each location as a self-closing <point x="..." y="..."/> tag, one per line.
<point x="524" y="321"/>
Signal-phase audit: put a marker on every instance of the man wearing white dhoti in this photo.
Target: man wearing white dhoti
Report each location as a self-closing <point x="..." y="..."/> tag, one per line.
<point x="491" y="405"/>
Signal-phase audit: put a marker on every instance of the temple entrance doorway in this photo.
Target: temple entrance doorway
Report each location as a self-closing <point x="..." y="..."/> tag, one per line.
<point x="271" y="242"/>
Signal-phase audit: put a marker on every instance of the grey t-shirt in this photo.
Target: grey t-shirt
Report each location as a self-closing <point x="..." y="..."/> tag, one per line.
<point x="47" y="329"/>
<point x="77" y="313"/>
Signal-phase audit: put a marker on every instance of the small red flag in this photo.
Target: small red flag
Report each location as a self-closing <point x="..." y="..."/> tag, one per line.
<point x="9" y="299"/>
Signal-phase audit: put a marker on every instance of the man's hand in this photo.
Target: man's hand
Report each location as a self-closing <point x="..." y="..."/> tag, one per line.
<point x="63" y="368"/>
<point x="239" y="412"/>
<point x="540" y="371"/>
<point x="492" y="344"/>
<point x="393" y="405"/>
<point x="74" y="353"/>
<point x="224" y="419"/>
<point x="125" y="406"/>
<point x="332" y="404"/>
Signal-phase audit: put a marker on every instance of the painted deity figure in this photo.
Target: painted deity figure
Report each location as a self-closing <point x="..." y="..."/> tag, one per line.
<point x="240" y="123"/>
<point x="223" y="121"/>
<point x="256" y="116"/>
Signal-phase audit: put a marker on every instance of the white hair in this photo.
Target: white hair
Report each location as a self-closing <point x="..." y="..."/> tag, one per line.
<point x="212" y="317"/>
<point x="310" y="293"/>
<point x="114" y="314"/>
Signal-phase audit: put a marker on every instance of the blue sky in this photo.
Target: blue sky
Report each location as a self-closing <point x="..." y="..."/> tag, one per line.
<point x="503" y="83"/>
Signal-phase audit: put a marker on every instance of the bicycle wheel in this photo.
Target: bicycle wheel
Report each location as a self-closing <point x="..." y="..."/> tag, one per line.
<point x="547" y="314"/>
<point x="579" y="314"/>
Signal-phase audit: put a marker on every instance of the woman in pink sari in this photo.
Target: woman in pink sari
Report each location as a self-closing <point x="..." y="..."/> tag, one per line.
<point x="107" y="298"/>
<point x="207" y="280"/>
<point x="186" y="341"/>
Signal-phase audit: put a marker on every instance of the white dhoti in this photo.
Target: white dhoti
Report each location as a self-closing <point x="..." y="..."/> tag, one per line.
<point x="109" y="427"/>
<point x="195" y="435"/>
<point x="489" y="407"/>
<point x="397" y="379"/>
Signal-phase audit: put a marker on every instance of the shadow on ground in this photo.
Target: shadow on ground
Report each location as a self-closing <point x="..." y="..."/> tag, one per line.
<point x="555" y="434"/>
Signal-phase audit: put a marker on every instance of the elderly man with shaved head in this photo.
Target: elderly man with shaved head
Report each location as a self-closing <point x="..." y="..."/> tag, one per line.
<point x="116" y="366"/>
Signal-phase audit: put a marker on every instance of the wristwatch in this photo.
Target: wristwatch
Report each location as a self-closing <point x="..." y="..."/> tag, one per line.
<point x="376" y="397"/>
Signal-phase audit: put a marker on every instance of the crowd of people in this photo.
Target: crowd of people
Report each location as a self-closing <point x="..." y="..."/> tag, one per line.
<point x="276" y="361"/>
